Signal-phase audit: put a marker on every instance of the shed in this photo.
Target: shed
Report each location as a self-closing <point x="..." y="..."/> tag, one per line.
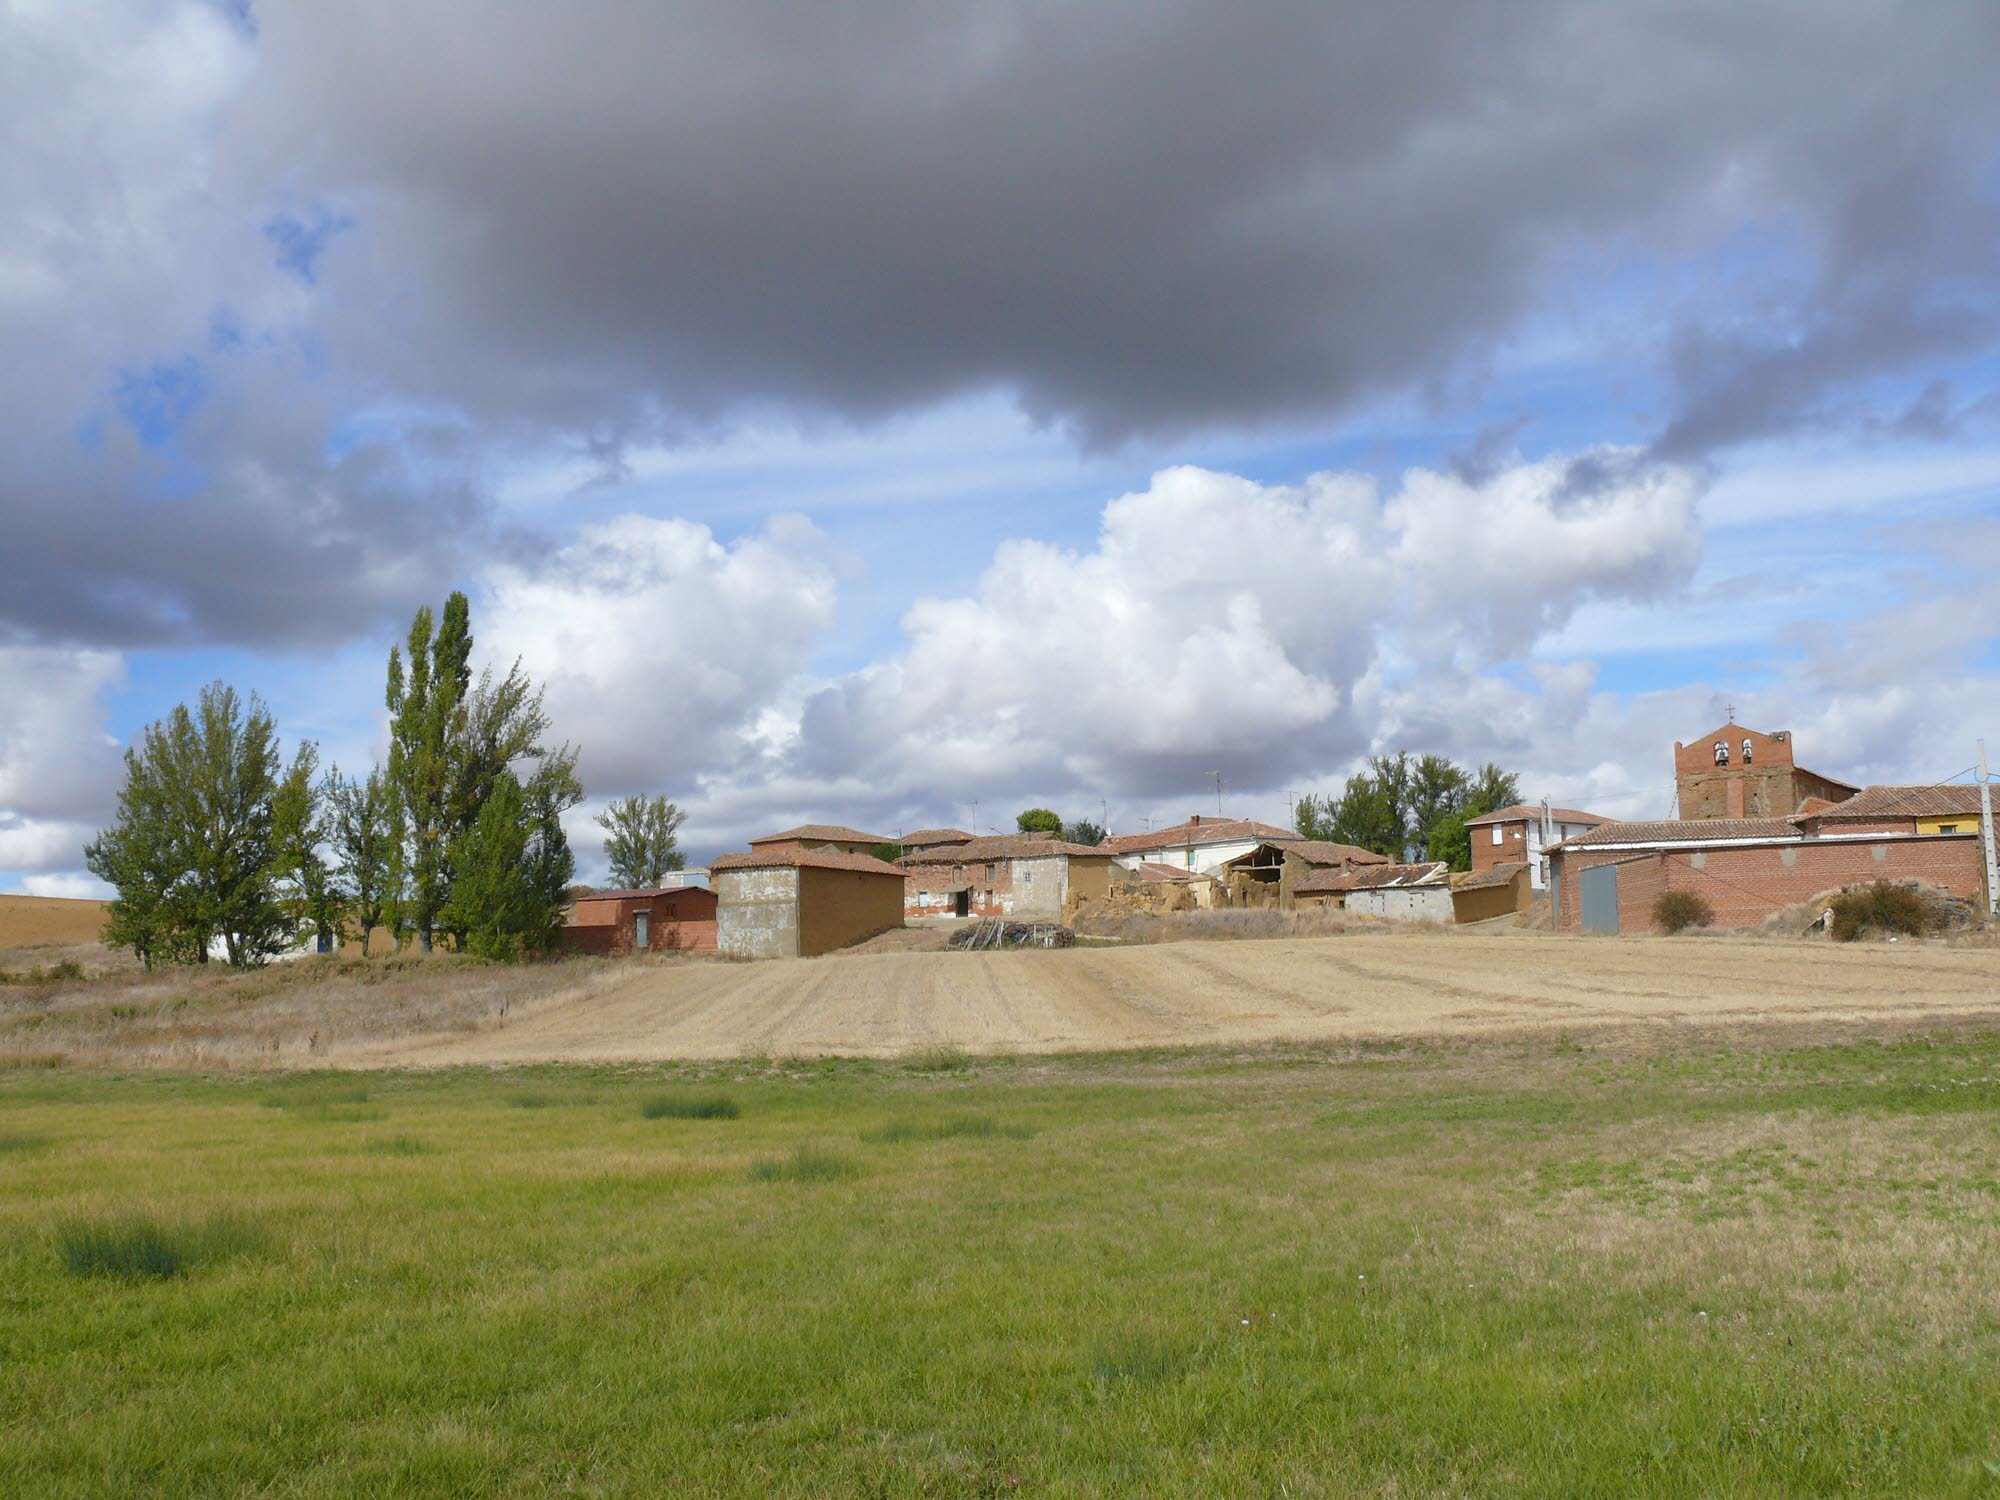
<point x="1421" y="892"/>
<point x="787" y="901"/>
<point x="1496" y="891"/>
<point x="657" y="919"/>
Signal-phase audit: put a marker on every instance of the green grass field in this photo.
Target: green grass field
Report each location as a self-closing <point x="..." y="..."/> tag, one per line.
<point x="1734" y="1266"/>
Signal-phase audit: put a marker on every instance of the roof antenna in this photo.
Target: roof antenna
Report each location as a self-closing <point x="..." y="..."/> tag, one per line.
<point x="1218" y="792"/>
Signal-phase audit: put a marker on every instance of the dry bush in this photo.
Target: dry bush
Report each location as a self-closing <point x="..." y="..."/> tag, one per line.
<point x="1676" y="911"/>
<point x="1881" y="907"/>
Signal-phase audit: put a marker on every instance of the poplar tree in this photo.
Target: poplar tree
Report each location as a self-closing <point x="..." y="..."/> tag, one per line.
<point x="366" y="835"/>
<point x="426" y="705"/>
<point x="639" y="838"/>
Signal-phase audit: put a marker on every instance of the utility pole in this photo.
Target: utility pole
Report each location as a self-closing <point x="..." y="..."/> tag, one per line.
<point x="1986" y="834"/>
<point x="1541" y="870"/>
<point x="1218" y="792"/>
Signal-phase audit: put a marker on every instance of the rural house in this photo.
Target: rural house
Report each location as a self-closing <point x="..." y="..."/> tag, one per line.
<point x="823" y="836"/>
<point x="1496" y="891"/>
<point x="784" y="900"/>
<point x="662" y="919"/>
<point x="931" y="838"/>
<point x="1025" y="877"/>
<point x="1201" y="843"/>
<point x="1282" y="864"/>
<point x="1733" y="772"/>
<point x="1419" y="892"/>
<point x="1607" y="880"/>
<point x="1515" y="835"/>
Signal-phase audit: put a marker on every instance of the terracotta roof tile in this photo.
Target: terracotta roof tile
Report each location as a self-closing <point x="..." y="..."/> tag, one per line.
<point x="1325" y="852"/>
<point x="1373" y="877"/>
<point x="641" y="893"/>
<point x="1521" y="811"/>
<point x="923" y="838"/>
<point x="1943" y="800"/>
<point x="1503" y="873"/>
<point x="1003" y="846"/>
<point x="1683" y="831"/>
<point x="795" y="856"/>
<point x="1206" y="831"/>
<point x="832" y="833"/>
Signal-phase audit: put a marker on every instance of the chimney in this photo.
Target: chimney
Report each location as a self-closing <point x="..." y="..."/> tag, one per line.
<point x="1195" y="821"/>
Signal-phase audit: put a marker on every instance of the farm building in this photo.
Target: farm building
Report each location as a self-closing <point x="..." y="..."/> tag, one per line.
<point x="1201" y="843"/>
<point x="657" y="920"/>
<point x="1022" y="876"/>
<point x="1515" y="835"/>
<point x="931" y="838"/>
<point x="1748" y="868"/>
<point x="1283" y="864"/>
<point x="1419" y="892"/>
<point x="1496" y="891"/>
<point x="823" y="836"/>
<point x="787" y="901"/>
<point x="1733" y="772"/>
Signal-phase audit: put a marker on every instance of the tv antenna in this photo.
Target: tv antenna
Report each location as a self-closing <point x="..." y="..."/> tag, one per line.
<point x="1218" y="792"/>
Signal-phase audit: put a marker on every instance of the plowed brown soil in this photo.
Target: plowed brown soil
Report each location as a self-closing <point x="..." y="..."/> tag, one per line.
<point x="48" y="921"/>
<point x="1419" y="984"/>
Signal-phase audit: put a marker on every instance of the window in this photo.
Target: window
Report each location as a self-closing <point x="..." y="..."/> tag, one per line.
<point x="1947" y="828"/>
<point x="1746" y="752"/>
<point x="989" y="874"/>
<point x="1190" y="859"/>
<point x="958" y="874"/>
<point x="1496" y="833"/>
<point x="1721" y="753"/>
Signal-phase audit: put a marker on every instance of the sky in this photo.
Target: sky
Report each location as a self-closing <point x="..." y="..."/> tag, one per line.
<point x="900" y="415"/>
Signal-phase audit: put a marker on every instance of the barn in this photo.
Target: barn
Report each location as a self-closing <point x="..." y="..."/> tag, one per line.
<point x="669" y="919"/>
<point x="784" y="900"/>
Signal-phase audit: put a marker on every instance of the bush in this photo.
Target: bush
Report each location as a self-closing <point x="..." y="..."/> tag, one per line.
<point x="137" y="1248"/>
<point x="806" y="1164"/>
<point x="1676" y="911"/>
<point x="690" y="1107"/>
<point x="1881" y="907"/>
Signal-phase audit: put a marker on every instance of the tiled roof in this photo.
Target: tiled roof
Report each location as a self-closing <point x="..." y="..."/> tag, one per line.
<point x="1204" y="831"/>
<point x="805" y="859"/>
<point x="1683" y="831"/>
<point x="923" y="838"/>
<point x="1944" y="800"/>
<point x="1002" y="846"/>
<point x="1503" y="873"/>
<point x="1324" y="852"/>
<point x="1522" y="812"/>
<point x="1152" y="870"/>
<point x="1373" y="877"/>
<point x="831" y="833"/>
<point x="641" y="893"/>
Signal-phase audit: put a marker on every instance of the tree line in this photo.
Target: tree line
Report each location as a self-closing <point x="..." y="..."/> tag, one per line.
<point x="1402" y="804"/>
<point x="458" y="834"/>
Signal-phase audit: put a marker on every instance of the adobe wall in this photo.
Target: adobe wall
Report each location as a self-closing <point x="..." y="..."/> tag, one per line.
<point x="1746" y="885"/>
<point x="1492" y="901"/>
<point x="837" y="908"/>
<point x="927" y="889"/>
<point x="757" y="912"/>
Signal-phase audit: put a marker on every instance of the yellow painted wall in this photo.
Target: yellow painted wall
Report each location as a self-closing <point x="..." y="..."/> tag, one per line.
<point x="1962" y="823"/>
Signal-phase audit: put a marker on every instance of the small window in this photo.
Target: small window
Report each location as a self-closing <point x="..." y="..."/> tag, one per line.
<point x="1496" y="833"/>
<point x="958" y="874"/>
<point x="1746" y="752"/>
<point x="989" y="874"/>
<point x="1190" y="859"/>
<point x="1947" y="828"/>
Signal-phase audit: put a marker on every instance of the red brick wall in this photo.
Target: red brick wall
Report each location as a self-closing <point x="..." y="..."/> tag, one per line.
<point x="936" y="879"/>
<point x="1513" y="845"/>
<point x="1745" y="885"/>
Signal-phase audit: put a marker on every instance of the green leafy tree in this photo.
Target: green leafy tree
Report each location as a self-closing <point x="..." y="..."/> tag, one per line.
<point x="366" y="834"/>
<point x="1313" y="815"/>
<point x="198" y="849"/>
<point x="1369" y="816"/>
<point x="309" y="884"/>
<point x="427" y="717"/>
<point x="1437" y="790"/>
<point x="1491" y="789"/>
<point x="1039" y="820"/>
<point x="639" y="838"/>
<point x="1083" y="831"/>
<point x="1402" y="802"/>
<point x="512" y="871"/>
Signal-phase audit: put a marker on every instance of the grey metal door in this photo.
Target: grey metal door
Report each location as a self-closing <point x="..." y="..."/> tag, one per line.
<point x="640" y="922"/>
<point x="1598" y="888"/>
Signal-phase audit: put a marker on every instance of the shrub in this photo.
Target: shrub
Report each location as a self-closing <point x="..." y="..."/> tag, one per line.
<point x="690" y="1107"/>
<point x="1881" y="907"/>
<point x="1676" y="911"/>
<point x="940" y="1057"/>
<point x="137" y="1248"/>
<point x="805" y="1164"/>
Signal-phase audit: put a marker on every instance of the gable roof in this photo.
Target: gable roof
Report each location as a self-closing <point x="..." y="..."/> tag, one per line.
<point x="1683" y="831"/>
<point x="1003" y="846"/>
<point x="1504" y="873"/>
<point x="1523" y="812"/>
<point x="1374" y="877"/>
<point x="799" y="857"/>
<point x="923" y="838"/>
<point x="1326" y="852"/>
<point x="829" y="832"/>
<point x="1942" y="800"/>
<point x="640" y="893"/>
<point x="1199" y="831"/>
<point x="1174" y="874"/>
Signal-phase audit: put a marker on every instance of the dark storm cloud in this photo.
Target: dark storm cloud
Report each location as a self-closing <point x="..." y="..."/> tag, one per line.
<point x="1143" y="219"/>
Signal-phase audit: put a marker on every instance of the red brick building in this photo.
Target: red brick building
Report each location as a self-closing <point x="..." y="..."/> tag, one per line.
<point x="1021" y="876"/>
<point x="1515" y="836"/>
<point x="673" y="919"/>
<point x="1733" y="772"/>
<point x="1607" y="880"/>
<point x="823" y="836"/>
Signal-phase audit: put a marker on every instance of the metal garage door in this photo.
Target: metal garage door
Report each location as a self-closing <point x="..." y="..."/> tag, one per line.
<point x="1599" y="889"/>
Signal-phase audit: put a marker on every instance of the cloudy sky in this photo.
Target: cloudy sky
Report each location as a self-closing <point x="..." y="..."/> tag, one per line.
<point x="861" y="412"/>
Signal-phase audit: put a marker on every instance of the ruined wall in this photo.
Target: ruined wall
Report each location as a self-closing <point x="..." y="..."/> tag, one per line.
<point x="928" y="889"/>
<point x="1492" y="901"/>
<point x="1415" y="903"/>
<point x="840" y="907"/>
<point x="757" y="912"/>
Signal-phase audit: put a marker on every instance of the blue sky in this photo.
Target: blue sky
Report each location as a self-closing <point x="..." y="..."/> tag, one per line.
<point x="852" y="423"/>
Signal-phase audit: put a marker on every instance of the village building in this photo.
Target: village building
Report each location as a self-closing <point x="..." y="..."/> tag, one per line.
<point x="784" y="900"/>
<point x="1203" y="890"/>
<point x="1497" y="891"/>
<point x="1733" y="772"/>
<point x="1413" y="892"/>
<point x="1516" y="835"/>
<point x="1608" y="879"/>
<point x="664" y="919"/>
<point x="1201" y="843"/>
<point x="824" y="836"/>
<point x="1023" y="877"/>
<point x="1281" y="865"/>
<point x="931" y="838"/>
